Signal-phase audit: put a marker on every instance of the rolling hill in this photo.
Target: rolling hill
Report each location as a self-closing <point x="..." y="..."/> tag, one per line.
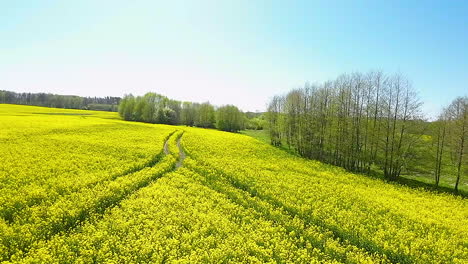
<point x="84" y="186"/>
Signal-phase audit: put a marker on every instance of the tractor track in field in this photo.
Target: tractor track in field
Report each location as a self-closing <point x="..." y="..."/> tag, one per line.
<point x="8" y="215"/>
<point x="182" y="154"/>
<point x="223" y="186"/>
<point x="166" y="145"/>
<point x="288" y="212"/>
<point x="69" y="223"/>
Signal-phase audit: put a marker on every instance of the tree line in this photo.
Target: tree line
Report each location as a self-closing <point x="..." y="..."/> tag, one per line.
<point x="364" y="122"/>
<point x="107" y="103"/>
<point x="151" y="108"/>
<point x="156" y="108"/>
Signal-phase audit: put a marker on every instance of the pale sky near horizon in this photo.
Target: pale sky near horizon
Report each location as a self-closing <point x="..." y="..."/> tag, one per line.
<point x="230" y="52"/>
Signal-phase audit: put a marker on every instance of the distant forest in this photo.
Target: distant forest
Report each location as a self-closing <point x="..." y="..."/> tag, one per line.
<point x="150" y="108"/>
<point x="156" y="108"/>
<point x="60" y="101"/>
<point x="369" y="123"/>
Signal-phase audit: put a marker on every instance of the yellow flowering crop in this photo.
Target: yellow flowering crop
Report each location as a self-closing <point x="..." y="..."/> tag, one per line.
<point x="86" y="187"/>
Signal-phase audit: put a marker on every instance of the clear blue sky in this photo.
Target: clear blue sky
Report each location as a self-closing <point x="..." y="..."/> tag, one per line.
<point x="237" y="52"/>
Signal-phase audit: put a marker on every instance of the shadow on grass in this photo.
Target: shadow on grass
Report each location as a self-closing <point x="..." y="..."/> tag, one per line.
<point x="429" y="186"/>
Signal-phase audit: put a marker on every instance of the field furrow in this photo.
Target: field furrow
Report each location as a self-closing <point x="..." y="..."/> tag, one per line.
<point x="362" y="212"/>
<point x="176" y="219"/>
<point x="94" y="189"/>
<point x="41" y="222"/>
<point x="310" y="235"/>
<point x="66" y="163"/>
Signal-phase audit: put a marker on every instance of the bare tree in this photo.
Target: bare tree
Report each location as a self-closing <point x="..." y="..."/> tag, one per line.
<point x="457" y="115"/>
<point x="441" y="131"/>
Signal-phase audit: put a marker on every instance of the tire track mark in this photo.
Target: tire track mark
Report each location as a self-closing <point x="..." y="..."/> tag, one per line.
<point x="13" y="240"/>
<point x="337" y="234"/>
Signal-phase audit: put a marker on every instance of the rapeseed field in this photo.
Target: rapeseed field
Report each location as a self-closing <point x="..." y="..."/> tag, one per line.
<point x="86" y="187"/>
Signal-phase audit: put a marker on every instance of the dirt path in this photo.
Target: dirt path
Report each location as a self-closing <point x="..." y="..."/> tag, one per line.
<point x="181" y="158"/>
<point x="181" y="153"/>
<point x="166" y="147"/>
